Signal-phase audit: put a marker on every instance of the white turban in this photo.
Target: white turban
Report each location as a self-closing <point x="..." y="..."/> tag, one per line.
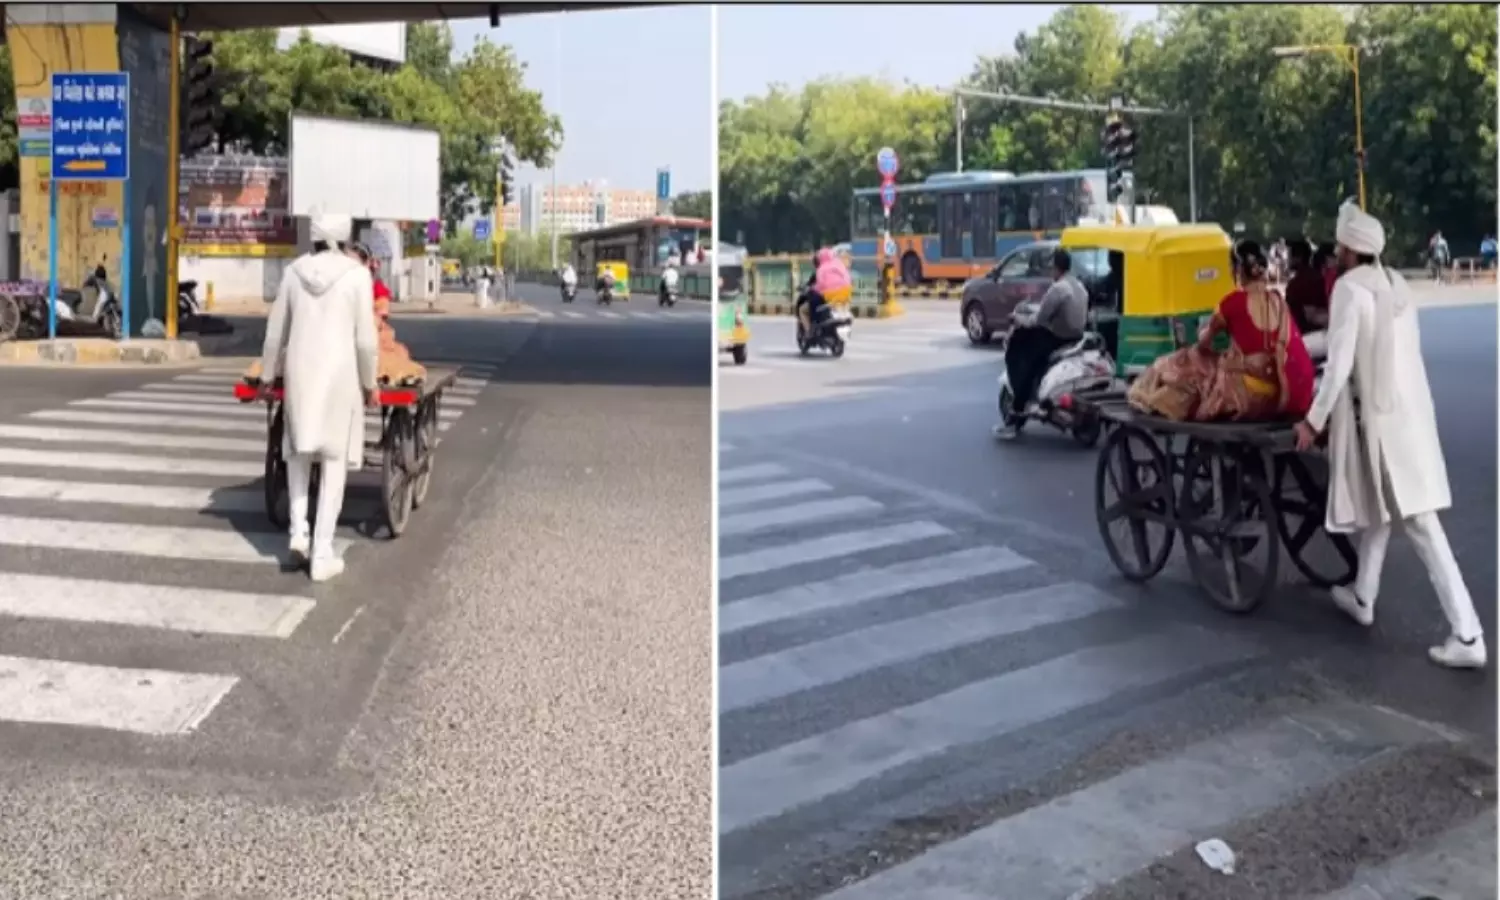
<point x="332" y="228"/>
<point x="1359" y="231"/>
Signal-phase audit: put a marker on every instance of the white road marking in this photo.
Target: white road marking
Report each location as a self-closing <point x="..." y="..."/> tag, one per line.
<point x="95" y="436"/>
<point x="144" y="701"/>
<point x="123" y="462"/>
<point x="158" y="541"/>
<point x="151" y="606"/>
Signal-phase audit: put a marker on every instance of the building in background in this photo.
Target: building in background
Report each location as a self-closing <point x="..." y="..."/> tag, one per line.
<point x="381" y="44"/>
<point x="580" y="207"/>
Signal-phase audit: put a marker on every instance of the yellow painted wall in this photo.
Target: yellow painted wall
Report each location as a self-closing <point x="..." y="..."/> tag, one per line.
<point x="36" y="52"/>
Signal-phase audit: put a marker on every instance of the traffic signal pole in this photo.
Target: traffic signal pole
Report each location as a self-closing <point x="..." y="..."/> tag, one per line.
<point x="174" y="170"/>
<point x="1076" y="106"/>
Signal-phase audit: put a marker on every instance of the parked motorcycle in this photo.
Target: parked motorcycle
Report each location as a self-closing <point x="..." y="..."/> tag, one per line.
<point x="95" y="304"/>
<point x="187" y="301"/>
<point x="1079" y="367"/>
<point x="829" y="329"/>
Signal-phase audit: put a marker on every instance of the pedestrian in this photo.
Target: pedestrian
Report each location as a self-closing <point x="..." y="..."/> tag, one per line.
<point x="321" y="339"/>
<point x="1387" y="466"/>
<point x="1307" y="296"/>
<point x="1487" y="252"/>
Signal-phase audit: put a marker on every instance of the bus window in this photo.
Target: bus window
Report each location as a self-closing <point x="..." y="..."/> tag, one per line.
<point x="1006" y="217"/>
<point x="867" y="216"/>
<point x="918" y="213"/>
<point x="1028" y="207"/>
<point x="982" y="223"/>
<point x="1055" y="207"/>
<point x="952" y="223"/>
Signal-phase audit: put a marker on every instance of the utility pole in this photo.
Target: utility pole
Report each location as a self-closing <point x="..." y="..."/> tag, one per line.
<point x="552" y="201"/>
<point x="1076" y="106"/>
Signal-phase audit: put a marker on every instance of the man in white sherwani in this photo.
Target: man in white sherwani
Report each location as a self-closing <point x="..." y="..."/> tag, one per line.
<point x="321" y="338"/>
<point x="1388" y="465"/>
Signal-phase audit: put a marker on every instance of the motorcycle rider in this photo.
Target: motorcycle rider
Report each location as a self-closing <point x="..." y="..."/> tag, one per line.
<point x="669" y="280"/>
<point x="569" y="278"/>
<point x="1059" y="321"/>
<point x="606" y="282"/>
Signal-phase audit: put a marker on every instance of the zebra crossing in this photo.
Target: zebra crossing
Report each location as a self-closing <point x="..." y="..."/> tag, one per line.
<point x="162" y="478"/>
<point x="688" y="312"/>
<point x="773" y="348"/>
<point x="912" y="707"/>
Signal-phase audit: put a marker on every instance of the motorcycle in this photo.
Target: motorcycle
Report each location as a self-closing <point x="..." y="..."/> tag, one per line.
<point x="187" y="301"/>
<point x="830" y="330"/>
<point x="1084" y="365"/>
<point x="569" y="292"/>
<point x="606" y="294"/>
<point x="666" y="296"/>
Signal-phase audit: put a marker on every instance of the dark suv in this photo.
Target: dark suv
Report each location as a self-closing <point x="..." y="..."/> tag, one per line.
<point x="1023" y="274"/>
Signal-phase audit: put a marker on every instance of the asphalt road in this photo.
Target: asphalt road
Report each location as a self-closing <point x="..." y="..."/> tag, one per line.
<point x="934" y="684"/>
<point x="511" y="700"/>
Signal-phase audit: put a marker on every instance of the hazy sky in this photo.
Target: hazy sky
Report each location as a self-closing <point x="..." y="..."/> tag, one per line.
<point x="929" y="44"/>
<point x="634" y="91"/>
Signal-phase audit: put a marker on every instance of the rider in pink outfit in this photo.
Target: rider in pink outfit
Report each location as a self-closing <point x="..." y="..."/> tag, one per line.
<point x="830" y="283"/>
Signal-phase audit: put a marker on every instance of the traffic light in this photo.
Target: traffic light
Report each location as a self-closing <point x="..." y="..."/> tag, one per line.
<point x="507" y="176"/>
<point x="1119" y="154"/>
<point x="199" y="101"/>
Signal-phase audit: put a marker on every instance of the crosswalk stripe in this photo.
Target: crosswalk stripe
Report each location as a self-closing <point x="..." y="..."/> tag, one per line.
<point x="124" y="462"/>
<point x="609" y="315"/>
<point x="744" y="371"/>
<point x="738" y="524"/>
<point x="835" y="659"/>
<point x="148" y="420"/>
<point x="151" y="606"/>
<point x="219" y="389"/>
<point x="247" y="410"/>
<point x="779" y="490"/>
<point x="143" y="495"/>
<point x="1462" y="855"/>
<point x="820" y="767"/>
<point x="157" y="541"/>
<point x="227" y="381"/>
<point x="144" y="701"/>
<point x="751" y="473"/>
<point x="850" y="543"/>
<point x="225" y="399"/>
<point x="92" y="436"/>
<point x="868" y="585"/>
<point x="1134" y="818"/>
<point x="572" y="315"/>
<point x="542" y="313"/>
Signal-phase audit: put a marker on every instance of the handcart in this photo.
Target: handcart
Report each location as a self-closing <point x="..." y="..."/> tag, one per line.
<point x="405" y="450"/>
<point x="1233" y="490"/>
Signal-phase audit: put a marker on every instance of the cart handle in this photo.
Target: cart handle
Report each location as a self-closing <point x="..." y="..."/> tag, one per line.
<point x="246" y="393"/>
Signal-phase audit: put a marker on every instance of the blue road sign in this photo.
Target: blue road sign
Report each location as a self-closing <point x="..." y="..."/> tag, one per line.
<point x="890" y="246"/>
<point x="91" y="126"/>
<point x="888" y="195"/>
<point x="482" y="230"/>
<point x="887" y="162"/>
<point x="663" y="183"/>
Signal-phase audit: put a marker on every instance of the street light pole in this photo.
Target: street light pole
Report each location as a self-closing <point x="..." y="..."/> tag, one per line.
<point x="1075" y="106"/>
<point x="553" y="200"/>
<point x="1348" y="54"/>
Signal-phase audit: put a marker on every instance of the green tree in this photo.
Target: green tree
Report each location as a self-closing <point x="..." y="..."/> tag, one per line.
<point x="694" y="205"/>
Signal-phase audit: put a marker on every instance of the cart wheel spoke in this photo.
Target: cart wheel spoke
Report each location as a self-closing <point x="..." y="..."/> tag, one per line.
<point x="1131" y="482"/>
<point x="1324" y="559"/>
<point x="1226" y="526"/>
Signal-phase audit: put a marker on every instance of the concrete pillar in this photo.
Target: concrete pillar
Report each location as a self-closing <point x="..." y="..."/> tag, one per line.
<point x="93" y="37"/>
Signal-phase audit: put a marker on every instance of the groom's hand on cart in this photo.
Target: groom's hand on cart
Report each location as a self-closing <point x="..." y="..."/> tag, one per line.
<point x="1306" y="435"/>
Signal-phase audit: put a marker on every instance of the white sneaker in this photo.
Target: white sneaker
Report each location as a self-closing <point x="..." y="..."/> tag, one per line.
<point x="1457" y="654"/>
<point x="1005" y="432"/>
<point x="300" y="546"/>
<point x="1355" y="608"/>
<point x="326" y="567"/>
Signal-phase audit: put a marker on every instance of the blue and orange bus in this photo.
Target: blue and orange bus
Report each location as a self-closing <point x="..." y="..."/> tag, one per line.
<point x="957" y="226"/>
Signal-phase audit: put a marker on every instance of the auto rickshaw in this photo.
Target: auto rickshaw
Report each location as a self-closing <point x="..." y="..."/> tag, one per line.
<point x="1164" y="283"/>
<point x="622" y="276"/>
<point x="733" y="306"/>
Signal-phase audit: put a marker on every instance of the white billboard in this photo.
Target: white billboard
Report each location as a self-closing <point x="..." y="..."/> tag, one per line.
<point x="382" y="40"/>
<point x="364" y="169"/>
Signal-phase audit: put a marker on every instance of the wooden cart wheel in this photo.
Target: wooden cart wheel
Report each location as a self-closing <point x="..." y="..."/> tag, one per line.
<point x="426" y="443"/>
<point x="10" y="318"/>
<point x="278" y="500"/>
<point x="1324" y="559"/>
<point x="396" y="470"/>
<point x="1226" y="509"/>
<point x="1133" y="484"/>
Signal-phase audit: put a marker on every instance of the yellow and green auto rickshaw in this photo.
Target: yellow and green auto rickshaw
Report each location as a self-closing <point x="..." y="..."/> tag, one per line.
<point x="1164" y="283"/>
<point x="621" y="271"/>
<point x="732" y="304"/>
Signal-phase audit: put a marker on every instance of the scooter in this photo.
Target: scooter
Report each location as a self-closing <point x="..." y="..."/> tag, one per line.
<point x="666" y="296"/>
<point x="1081" y="366"/>
<point x="569" y="292"/>
<point x="830" y="330"/>
<point x="95" y="303"/>
<point x="187" y="301"/>
<point x="606" y="295"/>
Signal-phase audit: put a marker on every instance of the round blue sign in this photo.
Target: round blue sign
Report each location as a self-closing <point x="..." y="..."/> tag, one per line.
<point x="888" y="196"/>
<point x="887" y="162"/>
<point x="890" y="246"/>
